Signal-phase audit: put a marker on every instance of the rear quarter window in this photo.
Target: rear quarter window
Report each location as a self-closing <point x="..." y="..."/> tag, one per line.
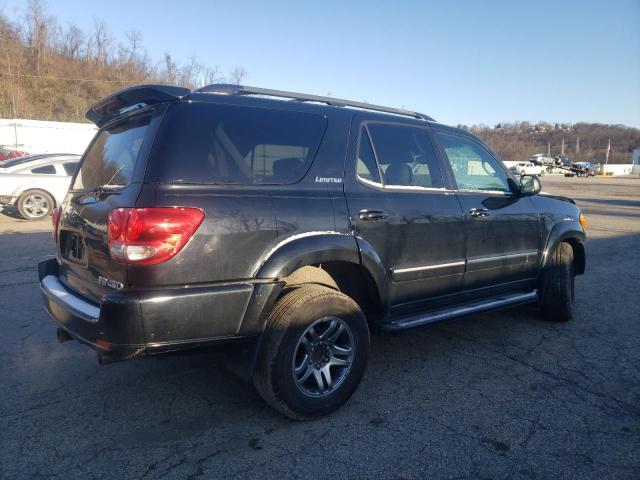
<point x="225" y="144"/>
<point x="45" y="169"/>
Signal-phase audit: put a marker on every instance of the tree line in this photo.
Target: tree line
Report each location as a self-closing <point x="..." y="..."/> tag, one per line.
<point x="53" y="72"/>
<point x="583" y="142"/>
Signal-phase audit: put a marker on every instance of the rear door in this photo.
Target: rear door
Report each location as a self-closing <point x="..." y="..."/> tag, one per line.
<point x="109" y="177"/>
<point x="399" y="204"/>
<point x="502" y="229"/>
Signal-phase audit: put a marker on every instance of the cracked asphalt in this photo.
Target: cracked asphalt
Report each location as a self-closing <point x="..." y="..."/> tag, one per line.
<point x="500" y="395"/>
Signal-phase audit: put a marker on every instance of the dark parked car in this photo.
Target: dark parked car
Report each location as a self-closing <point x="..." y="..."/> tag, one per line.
<point x="288" y="227"/>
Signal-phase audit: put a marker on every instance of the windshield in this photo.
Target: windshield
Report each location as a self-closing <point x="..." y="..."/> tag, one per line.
<point x="111" y="159"/>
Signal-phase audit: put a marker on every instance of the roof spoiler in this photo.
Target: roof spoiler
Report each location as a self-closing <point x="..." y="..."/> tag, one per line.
<point x="132" y="98"/>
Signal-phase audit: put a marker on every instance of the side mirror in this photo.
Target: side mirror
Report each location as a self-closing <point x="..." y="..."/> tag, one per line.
<point x="529" y="185"/>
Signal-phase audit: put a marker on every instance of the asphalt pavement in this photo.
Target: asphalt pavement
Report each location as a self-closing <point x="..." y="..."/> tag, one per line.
<point x="499" y="395"/>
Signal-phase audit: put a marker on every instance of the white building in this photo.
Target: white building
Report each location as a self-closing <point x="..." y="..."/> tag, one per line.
<point x="36" y="136"/>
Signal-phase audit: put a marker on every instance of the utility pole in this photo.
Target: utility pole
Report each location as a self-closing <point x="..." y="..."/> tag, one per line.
<point x="548" y="149"/>
<point x="562" y="147"/>
<point x="577" y="146"/>
<point x="606" y="160"/>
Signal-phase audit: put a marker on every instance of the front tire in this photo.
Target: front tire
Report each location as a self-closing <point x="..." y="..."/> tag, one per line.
<point x="314" y="352"/>
<point x="557" y="292"/>
<point x="35" y="204"/>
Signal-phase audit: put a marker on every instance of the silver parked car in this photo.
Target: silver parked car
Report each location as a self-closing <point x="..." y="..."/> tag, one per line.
<point x="35" y="184"/>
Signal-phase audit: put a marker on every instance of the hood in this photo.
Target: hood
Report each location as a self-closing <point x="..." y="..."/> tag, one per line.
<point x="557" y="197"/>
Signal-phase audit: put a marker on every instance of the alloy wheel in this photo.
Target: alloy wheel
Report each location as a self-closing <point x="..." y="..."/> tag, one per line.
<point x="323" y="356"/>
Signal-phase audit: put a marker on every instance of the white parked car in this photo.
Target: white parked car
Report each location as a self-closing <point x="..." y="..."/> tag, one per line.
<point x="35" y="184"/>
<point x="527" y="168"/>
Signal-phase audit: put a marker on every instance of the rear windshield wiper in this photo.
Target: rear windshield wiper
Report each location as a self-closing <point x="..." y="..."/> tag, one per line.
<point x="106" y="189"/>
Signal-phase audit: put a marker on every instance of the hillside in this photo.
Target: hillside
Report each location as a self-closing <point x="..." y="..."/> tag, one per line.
<point x="583" y="142"/>
<point x="54" y="72"/>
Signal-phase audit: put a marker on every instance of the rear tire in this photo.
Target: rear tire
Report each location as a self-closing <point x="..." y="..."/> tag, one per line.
<point x="303" y="371"/>
<point x="35" y="204"/>
<point x="557" y="292"/>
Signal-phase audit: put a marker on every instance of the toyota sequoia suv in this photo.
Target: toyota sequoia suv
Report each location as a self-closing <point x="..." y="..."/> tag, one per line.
<point x="288" y="227"/>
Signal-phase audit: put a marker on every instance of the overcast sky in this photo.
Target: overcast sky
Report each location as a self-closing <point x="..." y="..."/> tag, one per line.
<point x="460" y="61"/>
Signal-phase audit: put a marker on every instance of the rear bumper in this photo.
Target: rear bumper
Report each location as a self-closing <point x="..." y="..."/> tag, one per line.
<point x="134" y="324"/>
<point x="114" y="327"/>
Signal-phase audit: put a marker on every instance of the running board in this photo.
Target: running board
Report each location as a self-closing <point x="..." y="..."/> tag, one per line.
<point x="500" y="301"/>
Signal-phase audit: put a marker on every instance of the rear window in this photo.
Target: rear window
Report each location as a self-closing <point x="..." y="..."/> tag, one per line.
<point x="112" y="157"/>
<point x="45" y="169"/>
<point x="205" y="143"/>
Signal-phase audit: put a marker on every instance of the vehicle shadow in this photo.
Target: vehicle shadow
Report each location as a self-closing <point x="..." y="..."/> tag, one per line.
<point x="11" y="211"/>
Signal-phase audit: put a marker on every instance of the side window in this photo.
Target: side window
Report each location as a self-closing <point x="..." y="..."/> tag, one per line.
<point x="46" y="169"/>
<point x="473" y="166"/>
<point x="366" y="167"/>
<point x="405" y="156"/>
<point x="205" y="143"/>
<point x="70" y="168"/>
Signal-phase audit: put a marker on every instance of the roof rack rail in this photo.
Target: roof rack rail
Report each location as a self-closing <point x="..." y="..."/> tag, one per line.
<point x="230" y="89"/>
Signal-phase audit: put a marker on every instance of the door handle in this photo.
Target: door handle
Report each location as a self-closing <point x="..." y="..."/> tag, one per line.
<point x="479" y="212"/>
<point x="372" y="215"/>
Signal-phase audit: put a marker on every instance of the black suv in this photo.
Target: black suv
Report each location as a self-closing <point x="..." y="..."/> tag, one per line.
<point x="289" y="227"/>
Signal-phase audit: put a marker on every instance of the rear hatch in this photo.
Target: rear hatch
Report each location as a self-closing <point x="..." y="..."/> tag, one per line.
<point x="109" y="177"/>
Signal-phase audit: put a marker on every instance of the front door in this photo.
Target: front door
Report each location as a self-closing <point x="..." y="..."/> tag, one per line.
<point x="502" y="229"/>
<point x="399" y="204"/>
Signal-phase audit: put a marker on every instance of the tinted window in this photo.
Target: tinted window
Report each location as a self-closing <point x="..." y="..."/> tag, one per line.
<point x="70" y="168"/>
<point x="473" y="166"/>
<point x="366" y="167"/>
<point x="112" y="157"/>
<point x="207" y="143"/>
<point x="47" y="169"/>
<point x="405" y="156"/>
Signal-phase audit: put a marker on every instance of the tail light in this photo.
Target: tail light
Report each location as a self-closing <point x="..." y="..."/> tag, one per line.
<point x="55" y="220"/>
<point x="148" y="236"/>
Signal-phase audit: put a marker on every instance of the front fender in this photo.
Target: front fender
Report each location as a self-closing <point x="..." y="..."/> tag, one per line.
<point x="568" y="230"/>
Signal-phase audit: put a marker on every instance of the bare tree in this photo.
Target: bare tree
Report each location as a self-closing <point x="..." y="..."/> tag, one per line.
<point x="36" y="29"/>
<point x="135" y="39"/>
<point x="190" y="72"/>
<point x="73" y="41"/>
<point x="238" y="75"/>
<point x="213" y="75"/>
<point x="170" y="69"/>
<point x="102" y="39"/>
